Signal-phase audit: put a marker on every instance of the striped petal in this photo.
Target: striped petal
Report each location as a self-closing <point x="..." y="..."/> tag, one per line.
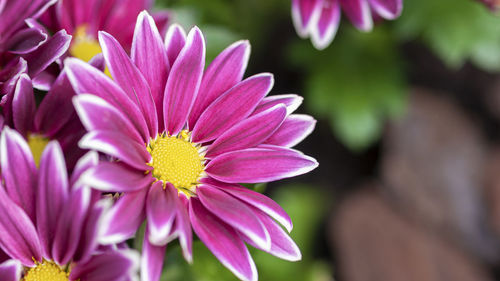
<point x="111" y="265"/>
<point x="116" y="177"/>
<point x="232" y="107"/>
<point x="225" y="71"/>
<point x="256" y="165"/>
<point x="23" y="105"/>
<point x="291" y="101"/>
<point x="11" y="270"/>
<point x="130" y="79"/>
<point x="328" y="22"/>
<point x="388" y="9"/>
<point x="359" y="13"/>
<point x="305" y="13"/>
<point x="174" y="42"/>
<point x="183" y="82"/>
<point x="294" y="129"/>
<point x="249" y="132"/>
<point x="48" y="52"/>
<point x="222" y="241"/>
<point x="18" y="170"/>
<point x="160" y="212"/>
<point x="151" y="259"/>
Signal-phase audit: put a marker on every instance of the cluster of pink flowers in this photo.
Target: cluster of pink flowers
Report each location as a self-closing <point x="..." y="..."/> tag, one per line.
<point x="133" y="129"/>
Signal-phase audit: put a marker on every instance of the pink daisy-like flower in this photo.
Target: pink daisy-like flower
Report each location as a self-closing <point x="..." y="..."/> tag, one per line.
<point x="183" y="138"/>
<point x="319" y="19"/>
<point x="50" y="222"/>
<point x="83" y="19"/>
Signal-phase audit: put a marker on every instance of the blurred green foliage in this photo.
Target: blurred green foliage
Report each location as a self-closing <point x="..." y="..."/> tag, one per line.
<point x="456" y="30"/>
<point x="307" y="210"/>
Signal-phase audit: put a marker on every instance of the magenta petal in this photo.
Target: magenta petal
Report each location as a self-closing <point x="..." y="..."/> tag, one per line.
<point x="359" y="13"/>
<point x="224" y="72"/>
<point x="259" y="201"/>
<point x="235" y="213"/>
<point x="84" y="163"/>
<point x="322" y="35"/>
<point x="10" y="270"/>
<point x="111" y="265"/>
<point x="23" y="105"/>
<point x="52" y="194"/>
<point x="116" y="177"/>
<point x="249" y="132"/>
<point x="233" y="106"/>
<point x="87" y="79"/>
<point x="48" y="52"/>
<point x="90" y="230"/>
<point x="291" y="101"/>
<point x="174" y="42"/>
<point x="151" y="260"/>
<point x="124" y="218"/>
<point x="160" y="212"/>
<point x="18" y="170"/>
<point x="183" y="229"/>
<point x="150" y="56"/>
<point x="388" y="9"/>
<point x="97" y="114"/>
<point x="282" y="246"/>
<point x="19" y="238"/>
<point x="222" y="241"/>
<point x="70" y="225"/>
<point x="256" y="165"/>
<point x="26" y="40"/>
<point x="183" y="82"/>
<point x="56" y="109"/>
<point x="126" y="74"/>
<point x="304" y="14"/>
<point x="119" y="146"/>
<point x="293" y="130"/>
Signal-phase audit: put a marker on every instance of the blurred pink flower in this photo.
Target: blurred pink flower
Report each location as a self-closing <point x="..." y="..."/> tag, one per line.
<point x="319" y="19"/>
<point x="183" y="138"/>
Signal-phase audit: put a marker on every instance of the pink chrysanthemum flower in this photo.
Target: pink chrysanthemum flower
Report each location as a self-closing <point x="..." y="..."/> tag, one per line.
<point x="319" y="19"/>
<point x="50" y="222"/>
<point x="183" y="138"/>
<point x="83" y="19"/>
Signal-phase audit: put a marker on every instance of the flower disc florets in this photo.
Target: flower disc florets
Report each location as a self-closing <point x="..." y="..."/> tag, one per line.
<point x="46" y="271"/>
<point x="176" y="160"/>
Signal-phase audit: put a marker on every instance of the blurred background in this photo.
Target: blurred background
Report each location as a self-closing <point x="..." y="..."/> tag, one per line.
<point x="408" y="141"/>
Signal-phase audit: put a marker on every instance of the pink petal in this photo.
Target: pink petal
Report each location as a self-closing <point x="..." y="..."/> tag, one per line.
<point x="183" y="229"/>
<point x="90" y="230"/>
<point x="23" y="105"/>
<point x="232" y="107"/>
<point x="47" y="53"/>
<point x="291" y="101"/>
<point x="97" y="114"/>
<point x="358" y="12"/>
<point x="116" y="177"/>
<point x="224" y="72"/>
<point x="249" y="132"/>
<point x="305" y="13"/>
<point x="126" y="74"/>
<point x="124" y="218"/>
<point x="388" y="9"/>
<point x="255" y="165"/>
<point x="85" y="163"/>
<point x="294" y="129"/>
<point x="150" y="56"/>
<point x="11" y="270"/>
<point x="222" y="241"/>
<point x="111" y="265"/>
<point x="151" y="259"/>
<point x="18" y="170"/>
<point x="282" y="246"/>
<point x="119" y="146"/>
<point x="183" y="82"/>
<point x="174" y="42"/>
<point x="322" y="35"/>
<point x="160" y="212"/>
<point x="70" y="225"/>
<point x="259" y="201"/>
<point x="19" y="238"/>
<point x="52" y="194"/>
<point x="235" y="213"/>
<point x="87" y="79"/>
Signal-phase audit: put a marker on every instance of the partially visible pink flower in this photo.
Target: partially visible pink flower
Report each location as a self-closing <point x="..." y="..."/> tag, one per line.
<point x="183" y="137"/>
<point x="319" y="19"/>
<point x="494" y="5"/>
<point x="83" y="19"/>
<point x="50" y="221"/>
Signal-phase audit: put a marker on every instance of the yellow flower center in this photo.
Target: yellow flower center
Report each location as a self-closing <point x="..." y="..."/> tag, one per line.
<point x="46" y="271"/>
<point x="85" y="46"/>
<point x="37" y="144"/>
<point x="177" y="160"/>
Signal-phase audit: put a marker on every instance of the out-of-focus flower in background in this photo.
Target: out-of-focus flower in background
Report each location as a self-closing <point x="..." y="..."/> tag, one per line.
<point x="492" y="4"/>
<point x="319" y="19"/>
<point x="184" y="141"/>
<point x="50" y="221"/>
<point x="83" y="19"/>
